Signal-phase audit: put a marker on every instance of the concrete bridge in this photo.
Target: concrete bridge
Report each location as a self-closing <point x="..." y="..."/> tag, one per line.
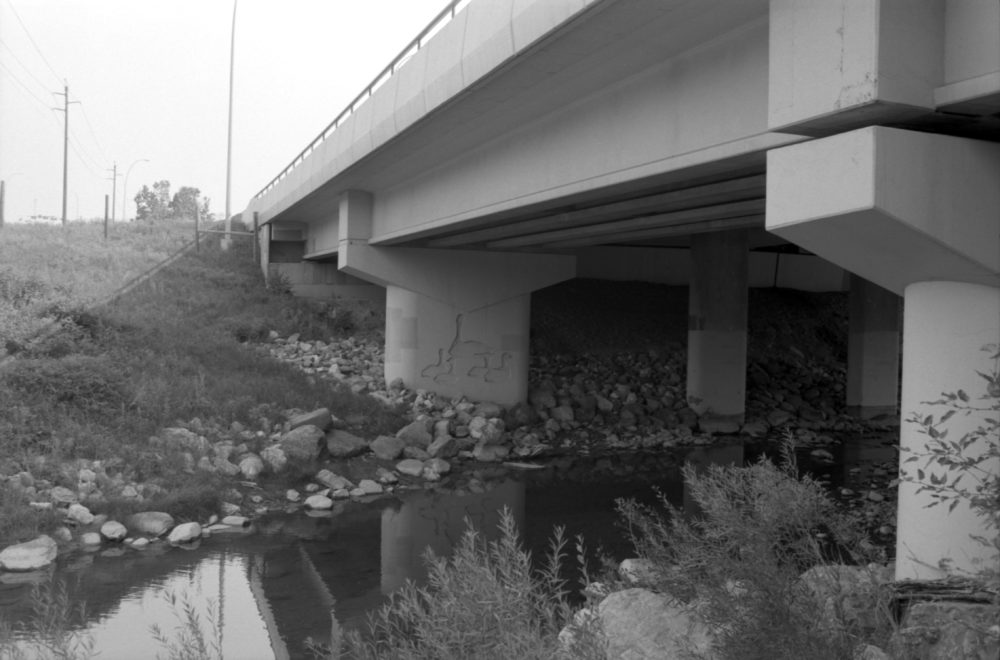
<point x="718" y="143"/>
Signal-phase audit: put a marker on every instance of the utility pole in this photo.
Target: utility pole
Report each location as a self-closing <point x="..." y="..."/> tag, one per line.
<point x="65" y="111"/>
<point x="114" y="188"/>
<point x="2" y="182"/>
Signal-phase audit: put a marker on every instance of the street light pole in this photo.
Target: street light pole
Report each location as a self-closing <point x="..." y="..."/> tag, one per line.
<point x="229" y="140"/>
<point x="125" y="188"/>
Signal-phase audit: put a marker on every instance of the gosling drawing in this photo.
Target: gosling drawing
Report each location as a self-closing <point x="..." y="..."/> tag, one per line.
<point x="476" y="360"/>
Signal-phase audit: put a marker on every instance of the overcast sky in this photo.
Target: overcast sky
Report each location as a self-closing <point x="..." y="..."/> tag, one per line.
<point x="152" y="81"/>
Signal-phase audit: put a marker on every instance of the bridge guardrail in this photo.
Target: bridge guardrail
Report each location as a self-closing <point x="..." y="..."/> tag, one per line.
<point x="439" y="21"/>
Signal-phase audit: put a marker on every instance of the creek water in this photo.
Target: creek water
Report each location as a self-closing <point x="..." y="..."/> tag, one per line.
<point x="261" y="592"/>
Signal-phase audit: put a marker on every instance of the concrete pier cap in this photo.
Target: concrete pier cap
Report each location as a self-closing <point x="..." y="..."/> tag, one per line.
<point x="893" y="206"/>
<point x="917" y="214"/>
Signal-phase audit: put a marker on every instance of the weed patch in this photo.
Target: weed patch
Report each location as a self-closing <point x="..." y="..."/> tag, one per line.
<point x="486" y="601"/>
<point x="738" y="562"/>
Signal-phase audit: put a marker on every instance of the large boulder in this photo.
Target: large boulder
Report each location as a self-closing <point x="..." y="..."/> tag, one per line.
<point x="184" y="533"/>
<point x="443" y="447"/>
<point x="79" y="514"/>
<point x="416" y="434"/>
<point x="343" y="444"/>
<point x="387" y="447"/>
<point x="642" y="625"/>
<point x="30" y="555"/>
<point x="320" y="418"/>
<point x="410" y="466"/>
<point x="332" y="480"/>
<point x="302" y="443"/>
<point x="153" y="523"/>
<point x="113" y="530"/>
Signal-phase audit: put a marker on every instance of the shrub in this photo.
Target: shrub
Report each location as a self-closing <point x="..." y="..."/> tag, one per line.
<point x="485" y="602"/>
<point x="739" y="560"/>
<point x="89" y="384"/>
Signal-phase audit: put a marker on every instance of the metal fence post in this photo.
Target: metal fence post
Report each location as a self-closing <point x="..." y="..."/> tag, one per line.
<point x="256" y="235"/>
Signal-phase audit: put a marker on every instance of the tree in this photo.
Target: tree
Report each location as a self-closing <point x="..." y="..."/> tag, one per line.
<point x="184" y="203"/>
<point x="162" y="190"/>
<point x="147" y="206"/>
<point x="206" y="214"/>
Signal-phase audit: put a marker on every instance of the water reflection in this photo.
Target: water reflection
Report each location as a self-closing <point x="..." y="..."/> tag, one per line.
<point x="311" y="577"/>
<point x="437" y="520"/>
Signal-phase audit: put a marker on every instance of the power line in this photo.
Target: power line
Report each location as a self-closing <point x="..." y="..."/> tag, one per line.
<point x="93" y="134"/>
<point x="32" y="40"/>
<point x="85" y="158"/>
<point x="22" y="85"/>
<point x="24" y="66"/>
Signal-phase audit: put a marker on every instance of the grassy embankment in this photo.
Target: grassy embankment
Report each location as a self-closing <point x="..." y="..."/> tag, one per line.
<point x="118" y="368"/>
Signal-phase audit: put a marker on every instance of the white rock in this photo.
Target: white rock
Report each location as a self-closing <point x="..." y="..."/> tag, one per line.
<point x="410" y="466"/>
<point x="236" y="521"/>
<point x="61" y="495"/>
<point x="140" y="543"/>
<point x="154" y="523"/>
<point x="370" y="487"/>
<point x="251" y="466"/>
<point x="319" y="502"/>
<point x="292" y="495"/>
<point x="637" y="571"/>
<point x="62" y="534"/>
<point x="80" y="514"/>
<point x="184" y="533"/>
<point x="90" y="538"/>
<point x="641" y="624"/>
<point x="275" y="458"/>
<point x="113" y="530"/>
<point x="29" y="555"/>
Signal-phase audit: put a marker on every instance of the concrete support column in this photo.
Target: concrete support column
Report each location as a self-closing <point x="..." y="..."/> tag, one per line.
<point x="457" y="321"/>
<point x="435" y="345"/>
<point x="717" y="328"/>
<point x="872" y="350"/>
<point x="945" y="326"/>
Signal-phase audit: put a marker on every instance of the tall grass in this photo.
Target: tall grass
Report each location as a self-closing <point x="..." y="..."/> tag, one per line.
<point x="487" y="601"/>
<point x="171" y="349"/>
<point x="46" y="271"/>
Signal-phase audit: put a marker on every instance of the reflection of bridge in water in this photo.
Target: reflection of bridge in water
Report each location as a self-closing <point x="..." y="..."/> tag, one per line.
<point x="315" y="589"/>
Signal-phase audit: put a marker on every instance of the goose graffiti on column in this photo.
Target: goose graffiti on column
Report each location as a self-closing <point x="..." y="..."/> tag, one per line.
<point x="470" y="359"/>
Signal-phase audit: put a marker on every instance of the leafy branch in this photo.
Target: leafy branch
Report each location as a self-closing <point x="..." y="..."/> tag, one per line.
<point x="963" y="469"/>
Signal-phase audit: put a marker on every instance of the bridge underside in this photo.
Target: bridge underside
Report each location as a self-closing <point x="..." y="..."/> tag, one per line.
<point x="719" y="144"/>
